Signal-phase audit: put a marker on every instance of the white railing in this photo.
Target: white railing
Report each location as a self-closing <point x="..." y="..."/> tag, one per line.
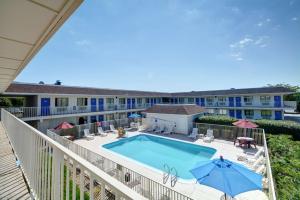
<point x="31" y="112"/>
<point x="54" y="172"/>
<point x="143" y="185"/>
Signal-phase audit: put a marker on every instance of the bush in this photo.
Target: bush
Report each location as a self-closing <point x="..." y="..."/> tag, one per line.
<point x="270" y="126"/>
<point x="285" y="163"/>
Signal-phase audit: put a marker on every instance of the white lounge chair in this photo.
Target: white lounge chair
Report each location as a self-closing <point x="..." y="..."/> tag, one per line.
<point x="250" y="158"/>
<point x="160" y="129"/>
<point x="169" y="130"/>
<point x="209" y="136"/>
<point x="260" y="161"/>
<point x="112" y="128"/>
<point x="194" y="133"/>
<point x="261" y="169"/>
<point x="101" y="132"/>
<point x="87" y="134"/>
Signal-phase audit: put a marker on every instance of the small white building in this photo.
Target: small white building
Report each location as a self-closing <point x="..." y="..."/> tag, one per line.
<point x="179" y="115"/>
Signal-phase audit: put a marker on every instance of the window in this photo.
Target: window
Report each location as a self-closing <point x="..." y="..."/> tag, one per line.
<point x="139" y="100"/>
<point x="248" y="100"/>
<point x="61" y="102"/>
<point x="191" y="100"/>
<point x="266" y="114"/>
<point x="265" y="100"/>
<point x="82" y="101"/>
<point x="110" y="100"/>
<point x="249" y="114"/>
<point x="122" y="101"/>
<point x="122" y="115"/>
<point x="222" y="101"/>
<point x="109" y="117"/>
<point x="223" y="112"/>
<point x="181" y="100"/>
<point x="209" y="101"/>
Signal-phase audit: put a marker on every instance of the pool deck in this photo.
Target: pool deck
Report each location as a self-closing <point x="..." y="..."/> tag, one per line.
<point x="188" y="188"/>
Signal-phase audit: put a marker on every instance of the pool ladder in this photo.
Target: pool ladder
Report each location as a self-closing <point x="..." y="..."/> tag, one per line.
<point x="170" y="172"/>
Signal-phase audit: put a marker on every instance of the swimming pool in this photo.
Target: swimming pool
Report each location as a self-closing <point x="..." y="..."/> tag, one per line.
<point x="156" y="151"/>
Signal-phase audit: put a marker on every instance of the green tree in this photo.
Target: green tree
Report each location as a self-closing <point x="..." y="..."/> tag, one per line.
<point x="5" y="102"/>
<point x="294" y="88"/>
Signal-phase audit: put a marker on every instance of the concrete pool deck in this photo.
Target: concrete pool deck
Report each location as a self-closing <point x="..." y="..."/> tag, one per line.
<point x="188" y="188"/>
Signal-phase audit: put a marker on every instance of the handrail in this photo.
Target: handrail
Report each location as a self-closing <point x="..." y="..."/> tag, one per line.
<point x="174" y="176"/>
<point x="166" y="173"/>
<point x="49" y="167"/>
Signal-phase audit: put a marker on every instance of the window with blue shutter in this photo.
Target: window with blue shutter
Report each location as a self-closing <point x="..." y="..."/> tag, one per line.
<point x="231" y="102"/>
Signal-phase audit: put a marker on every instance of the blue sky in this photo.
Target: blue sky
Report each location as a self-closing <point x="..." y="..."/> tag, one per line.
<point x="173" y="45"/>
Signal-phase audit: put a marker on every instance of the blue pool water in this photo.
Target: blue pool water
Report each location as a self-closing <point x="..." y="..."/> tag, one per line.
<point x="156" y="151"/>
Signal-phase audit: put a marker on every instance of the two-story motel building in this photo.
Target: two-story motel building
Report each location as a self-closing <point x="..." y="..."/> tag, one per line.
<point x="46" y="105"/>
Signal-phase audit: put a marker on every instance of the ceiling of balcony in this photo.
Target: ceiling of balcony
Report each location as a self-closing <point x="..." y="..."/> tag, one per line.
<point x="25" y="26"/>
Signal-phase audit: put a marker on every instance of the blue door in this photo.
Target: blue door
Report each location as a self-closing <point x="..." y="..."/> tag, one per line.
<point x="238" y="102"/>
<point x="45" y="106"/>
<point x="101" y="118"/>
<point x="239" y="114"/>
<point x="175" y="100"/>
<point x="128" y="103"/>
<point x="278" y="115"/>
<point x="198" y="101"/>
<point x="101" y="104"/>
<point x="93" y="105"/>
<point x="128" y="114"/>
<point x="277" y="101"/>
<point x="151" y="101"/>
<point x="154" y="101"/>
<point x="231" y="102"/>
<point x="93" y="119"/>
<point x="133" y="103"/>
<point x="231" y="113"/>
<point x="202" y="101"/>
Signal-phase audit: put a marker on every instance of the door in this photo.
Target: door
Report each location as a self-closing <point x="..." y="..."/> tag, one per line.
<point x="278" y="115"/>
<point x="93" y="119"/>
<point x="133" y="103"/>
<point x="93" y="105"/>
<point x="239" y="114"/>
<point x="202" y="101"/>
<point x="151" y="101"/>
<point x="231" y="113"/>
<point x="198" y="101"/>
<point x="176" y="100"/>
<point x="231" y="102"/>
<point x="101" y="118"/>
<point x="238" y="101"/>
<point x="277" y="101"/>
<point x="101" y="104"/>
<point x="128" y="103"/>
<point x="45" y="106"/>
<point x="154" y="101"/>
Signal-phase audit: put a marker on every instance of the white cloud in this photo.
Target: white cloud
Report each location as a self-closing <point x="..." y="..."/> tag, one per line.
<point x="83" y="42"/>
<point x="294" y="19"/>
<point x="263" y="22"/>
<point x="268" y="20"/>
<point x="237" y="56"/>
<point x="260" y="24"/>
<point x="191" y="14"/>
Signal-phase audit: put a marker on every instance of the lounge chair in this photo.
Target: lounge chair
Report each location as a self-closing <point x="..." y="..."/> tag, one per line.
<point x="194" y="134"/>
<point x="209" y="136"/>
<point x="101" y="132"/>
<point x="168" y="130"/>
<point x="160" y="129"/>
<point x="261" y="169"/>
<point x="87" y="134"/>
<point x="250" y="158"/>
<point x="112" y="128"/>
<point x="260" y="161"/>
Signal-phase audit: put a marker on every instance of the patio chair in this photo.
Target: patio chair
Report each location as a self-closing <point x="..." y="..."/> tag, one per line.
<point x="260" y="161"/>
<point x="112" y="128"/>
<point x="101" y="132"/>
<point x="194" y="134"/>
<point x="209" y="136"/>
<point x="250" y="158"/>
<point x="168" y="130"/>
<point x="160" y="129"/>
<point x="87" y="134"/>
<point x="261" y="169"/>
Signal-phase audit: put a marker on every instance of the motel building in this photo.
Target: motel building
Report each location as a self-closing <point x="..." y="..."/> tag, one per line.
<point x="38" y="163"/>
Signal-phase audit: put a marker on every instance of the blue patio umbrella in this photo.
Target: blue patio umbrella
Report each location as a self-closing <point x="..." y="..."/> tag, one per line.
<point x="226" y="176"/>
<point x="134" y="115"/>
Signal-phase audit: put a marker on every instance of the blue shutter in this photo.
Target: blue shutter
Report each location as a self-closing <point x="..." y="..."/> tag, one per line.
<point x="238" y="101"/>
<point x="231" y="113"/>
<point x="239" y="114"/>
<point x="133" y="103"/>
<point x="128" y="103"/>
<point x="101" y="118"/>
<point x="176" y="100"/>
<point x="93" y="119"/>
<point x="154" y="101"/>
<point x="197" y="101"/>
<point x="202" y="102"/>
<point x="93" y="105"/>
<point x="101" y="104"/>
<point x="45" y="106"/>
<point x="278" y="115"/>
<point x="231" y="102"/>
<point x="277" y="101"/>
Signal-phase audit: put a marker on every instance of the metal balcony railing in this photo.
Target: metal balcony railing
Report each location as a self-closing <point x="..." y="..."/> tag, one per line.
<point x="54" y="172"/>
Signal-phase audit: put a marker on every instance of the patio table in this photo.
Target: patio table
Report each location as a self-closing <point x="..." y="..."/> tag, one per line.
<point x="245" y="141"/>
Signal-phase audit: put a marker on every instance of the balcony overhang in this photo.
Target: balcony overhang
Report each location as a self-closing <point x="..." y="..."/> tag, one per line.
<point x="25" y="27"/>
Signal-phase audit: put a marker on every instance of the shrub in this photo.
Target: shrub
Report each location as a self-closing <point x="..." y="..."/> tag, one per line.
<point x="270" y="126"/>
